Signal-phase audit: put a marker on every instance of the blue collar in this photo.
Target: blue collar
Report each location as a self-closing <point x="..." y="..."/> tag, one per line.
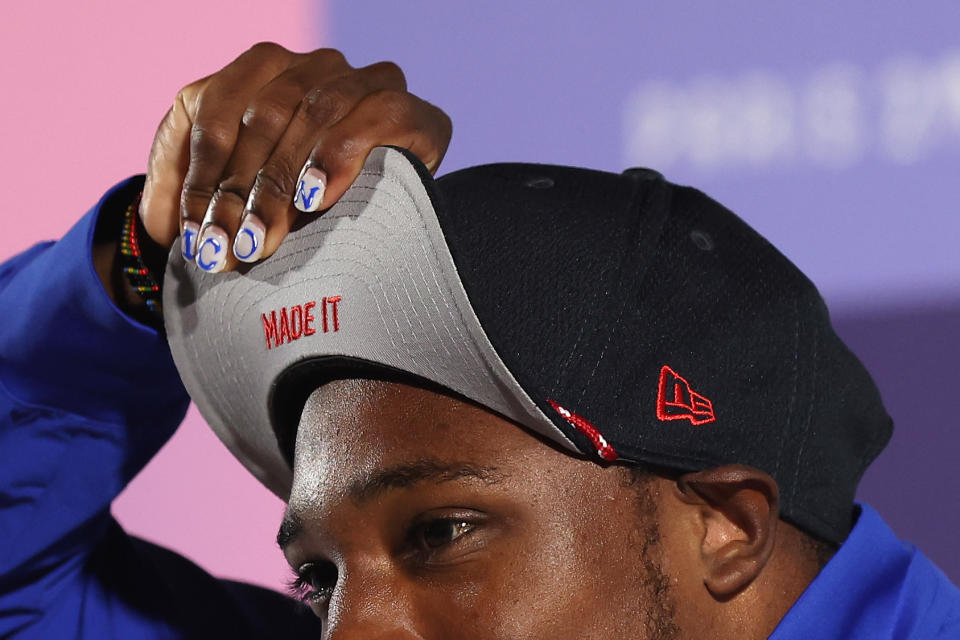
<point x="875" y="587"/>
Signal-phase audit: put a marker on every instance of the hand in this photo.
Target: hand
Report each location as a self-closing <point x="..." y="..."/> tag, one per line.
<point x="238" y="147"/>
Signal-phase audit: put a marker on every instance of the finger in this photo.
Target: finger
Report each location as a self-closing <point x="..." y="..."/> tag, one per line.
<point x="385" y="117"/>
<point x="263" y="123"/>
<point x="169" y="159"/>
<point x="270" y="119"/>
<point x="273" y="190"/>
<point x="216" y="115"/>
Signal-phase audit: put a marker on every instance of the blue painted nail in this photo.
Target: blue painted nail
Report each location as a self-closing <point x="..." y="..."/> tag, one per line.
<point x="310" y="188"/>
<point x="189" y="240"/>
<point x="212" y="250"/>
<point x="248" y="245"/>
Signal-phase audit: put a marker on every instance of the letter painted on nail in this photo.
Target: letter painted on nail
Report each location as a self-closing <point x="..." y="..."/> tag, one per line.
<point x="188" y="242"/>
<point x="310" y="187"/>
<point x="248" y="245"/>
<point x="212" y="251"/>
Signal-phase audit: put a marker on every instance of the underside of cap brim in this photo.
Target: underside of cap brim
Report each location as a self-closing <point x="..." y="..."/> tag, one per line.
<point x="370" y="280"/>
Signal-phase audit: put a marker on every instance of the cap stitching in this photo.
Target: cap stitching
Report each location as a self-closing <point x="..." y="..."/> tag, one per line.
<point x="646" y="197"/>
<point x="793" y="393"/>
<point x="806" y="427"/>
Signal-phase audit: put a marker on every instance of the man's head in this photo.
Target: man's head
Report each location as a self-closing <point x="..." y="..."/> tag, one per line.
<point x="605" y="322"/>
<point x="417" y="514"/>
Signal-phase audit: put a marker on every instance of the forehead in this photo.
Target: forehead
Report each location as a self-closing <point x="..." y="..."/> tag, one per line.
<point x="349" y="429"/>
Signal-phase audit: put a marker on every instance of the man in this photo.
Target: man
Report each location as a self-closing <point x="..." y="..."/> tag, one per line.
<point x="519" y="402"/>
<point x="526" y="401"/>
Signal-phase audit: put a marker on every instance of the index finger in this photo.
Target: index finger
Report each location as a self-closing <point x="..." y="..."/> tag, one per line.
<point x="215" y="127"/>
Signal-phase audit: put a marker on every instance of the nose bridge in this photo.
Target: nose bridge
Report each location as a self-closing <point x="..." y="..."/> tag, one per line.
<point x="370" y="602"/>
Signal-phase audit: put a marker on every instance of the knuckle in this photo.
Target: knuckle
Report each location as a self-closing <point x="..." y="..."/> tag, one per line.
<point x="326" y="104"/>
<point x="394" y="105"/>
<point x="267" y="48"/>
<point x="187" y="94"/>
<point x="332" y="57"/>
<point x="338" y="150"/>
<point x="443" y="121"/>
<point x="210" y="140"/>
<point x="391" y="71"/>
<point x="194" y="198"/>
<point x="275" y="180"/>
<point x="183" y="97"/>
<point x="232" y="190"/>
<point x="267" y="117"/>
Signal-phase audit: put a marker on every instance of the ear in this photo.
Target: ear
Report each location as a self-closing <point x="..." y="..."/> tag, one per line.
<point x="739" y="508"/>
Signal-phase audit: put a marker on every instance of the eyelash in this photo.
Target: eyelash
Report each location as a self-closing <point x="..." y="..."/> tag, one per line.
<point x="298" y="589"/>
<point x="300" y="586"/>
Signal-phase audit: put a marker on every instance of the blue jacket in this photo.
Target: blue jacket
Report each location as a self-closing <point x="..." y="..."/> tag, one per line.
<point x="88" y="396"/>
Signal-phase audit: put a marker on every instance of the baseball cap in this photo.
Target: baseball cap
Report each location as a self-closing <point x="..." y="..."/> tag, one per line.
<point x="620" y="316"/>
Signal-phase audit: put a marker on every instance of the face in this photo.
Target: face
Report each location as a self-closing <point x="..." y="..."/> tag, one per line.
<point x="416" y="515"/>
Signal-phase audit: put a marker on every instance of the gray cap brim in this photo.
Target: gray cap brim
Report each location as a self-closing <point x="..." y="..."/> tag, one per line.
<point x="371" y="280"/>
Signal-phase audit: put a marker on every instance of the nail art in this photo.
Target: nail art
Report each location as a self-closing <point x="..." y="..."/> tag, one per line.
<point x="188" y="242"/>
<point x="248" y="245"/>
<point x="310" y="187"/>
<point x="212" y="250"/>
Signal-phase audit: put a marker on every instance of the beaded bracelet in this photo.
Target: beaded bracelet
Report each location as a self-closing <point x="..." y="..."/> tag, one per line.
<point x="131" y="260"/>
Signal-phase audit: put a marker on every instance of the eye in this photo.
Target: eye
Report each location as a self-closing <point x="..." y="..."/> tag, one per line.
<point x="438" y="533"/>
<point x="314" y="583"/>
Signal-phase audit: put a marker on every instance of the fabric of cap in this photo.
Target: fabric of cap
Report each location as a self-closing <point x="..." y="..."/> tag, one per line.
<point x="536" y="290"/>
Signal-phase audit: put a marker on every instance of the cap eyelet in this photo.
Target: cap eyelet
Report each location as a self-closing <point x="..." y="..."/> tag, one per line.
<point x="541" y="182"/>
<point x="702" y="239"/>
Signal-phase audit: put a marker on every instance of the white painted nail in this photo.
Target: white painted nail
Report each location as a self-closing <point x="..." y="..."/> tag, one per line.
<point x="310" y="187"/>
<point x="188" y="241"/>
<point x="248" y="245"/>
<point x="212" y="250"/>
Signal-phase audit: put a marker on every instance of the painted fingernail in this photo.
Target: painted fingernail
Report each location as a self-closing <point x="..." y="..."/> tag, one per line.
<point x="248" y="245"/>
<point x="212" y="250"/>
<point x="310" y="187"/>
<point x="188" y="241"/>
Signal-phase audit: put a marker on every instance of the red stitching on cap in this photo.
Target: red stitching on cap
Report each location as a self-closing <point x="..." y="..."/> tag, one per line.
<point x="286" y="324"/>
<point x="308" y="329"/>
<point x="604" y="450"/>
<point x="332" y="301"/>
<point x="686" y="403"/>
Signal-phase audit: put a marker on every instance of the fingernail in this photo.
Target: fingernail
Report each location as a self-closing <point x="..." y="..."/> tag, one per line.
<point x="310" y="187"/>
<point x="212" y="250"/>
<point x="248" y="245"/>
<point x="188" y="241"/>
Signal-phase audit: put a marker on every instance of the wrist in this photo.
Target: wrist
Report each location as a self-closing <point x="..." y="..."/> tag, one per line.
<point x="130" y="264"/>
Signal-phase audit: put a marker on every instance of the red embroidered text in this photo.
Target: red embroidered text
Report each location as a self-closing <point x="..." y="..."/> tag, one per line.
<point x="287" y="324"/>
<point x="676" y="400"/>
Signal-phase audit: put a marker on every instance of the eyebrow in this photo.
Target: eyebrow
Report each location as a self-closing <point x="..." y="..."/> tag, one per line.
<point x="399" y="476"/>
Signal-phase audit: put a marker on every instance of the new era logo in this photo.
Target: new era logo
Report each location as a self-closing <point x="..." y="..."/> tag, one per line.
<point x="676" y="400"/>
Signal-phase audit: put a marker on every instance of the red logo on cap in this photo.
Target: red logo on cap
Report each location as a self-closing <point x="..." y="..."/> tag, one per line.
<point x="676" y="400"/>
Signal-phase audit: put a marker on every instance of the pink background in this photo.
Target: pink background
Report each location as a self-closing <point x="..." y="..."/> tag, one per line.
<point x="84" y="87"/>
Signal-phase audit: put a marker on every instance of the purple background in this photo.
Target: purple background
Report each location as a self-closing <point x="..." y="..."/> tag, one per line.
<point x="833" y="128"/>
